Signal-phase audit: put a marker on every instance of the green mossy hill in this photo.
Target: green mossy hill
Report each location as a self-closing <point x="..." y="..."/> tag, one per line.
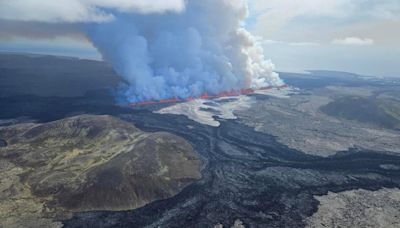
<point x="87" y="163"/>
<point x="381" y="112"/>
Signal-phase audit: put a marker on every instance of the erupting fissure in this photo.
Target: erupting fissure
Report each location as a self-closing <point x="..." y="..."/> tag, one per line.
<point x="231" y="93"/>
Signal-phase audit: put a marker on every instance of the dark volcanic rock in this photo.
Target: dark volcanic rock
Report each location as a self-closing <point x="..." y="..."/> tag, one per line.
<point x="3" y="143"/>
<point x="248" y="176"/>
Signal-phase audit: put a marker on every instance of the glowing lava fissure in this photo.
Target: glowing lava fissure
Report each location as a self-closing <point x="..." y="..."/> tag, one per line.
<point x="231" y="93"/>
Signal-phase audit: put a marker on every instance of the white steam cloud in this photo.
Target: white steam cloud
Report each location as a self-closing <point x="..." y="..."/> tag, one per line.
<point x="163" y="48"/>
<point x="354" y="41"/>
<point x="201" y="49"/>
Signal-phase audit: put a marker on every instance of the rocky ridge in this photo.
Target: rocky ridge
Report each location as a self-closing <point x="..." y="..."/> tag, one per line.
<point x="87" y="163"/>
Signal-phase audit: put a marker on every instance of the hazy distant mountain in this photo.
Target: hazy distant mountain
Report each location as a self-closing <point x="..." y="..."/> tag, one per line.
<point x="42" y="75"/>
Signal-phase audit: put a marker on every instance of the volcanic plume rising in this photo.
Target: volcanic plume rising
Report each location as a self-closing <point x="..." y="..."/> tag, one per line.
<point x="203" y="48"/>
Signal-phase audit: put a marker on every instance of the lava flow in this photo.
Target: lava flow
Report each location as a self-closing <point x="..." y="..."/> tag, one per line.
<point x="231" y="93"/>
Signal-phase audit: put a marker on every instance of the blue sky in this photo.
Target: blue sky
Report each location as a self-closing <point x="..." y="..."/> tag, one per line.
<point x="360" y="36"/>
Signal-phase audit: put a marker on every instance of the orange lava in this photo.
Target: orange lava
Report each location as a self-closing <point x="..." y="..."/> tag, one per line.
<point x="231" y="93"/>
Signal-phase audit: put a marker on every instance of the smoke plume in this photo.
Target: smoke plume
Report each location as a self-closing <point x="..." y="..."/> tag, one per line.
<point x="203" y="48"/>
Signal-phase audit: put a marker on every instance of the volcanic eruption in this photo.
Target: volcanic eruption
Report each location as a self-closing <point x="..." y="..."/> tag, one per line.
<point x="200" y="49"/>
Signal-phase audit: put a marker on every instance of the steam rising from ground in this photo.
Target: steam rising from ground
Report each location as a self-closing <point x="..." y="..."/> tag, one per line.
<point x="203" y="48"/>
<point x="210" y="111"/>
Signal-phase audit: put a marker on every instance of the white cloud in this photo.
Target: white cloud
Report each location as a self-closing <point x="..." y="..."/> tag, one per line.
<point x="80" y="10"/>
<point x="272" y="42"/>
<point x="316" y="19"/>
<point x="286" y="10"/>
<point x="272" y="15"/>
<point x="354" y="41"/>
<point x="304" y="44"/>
